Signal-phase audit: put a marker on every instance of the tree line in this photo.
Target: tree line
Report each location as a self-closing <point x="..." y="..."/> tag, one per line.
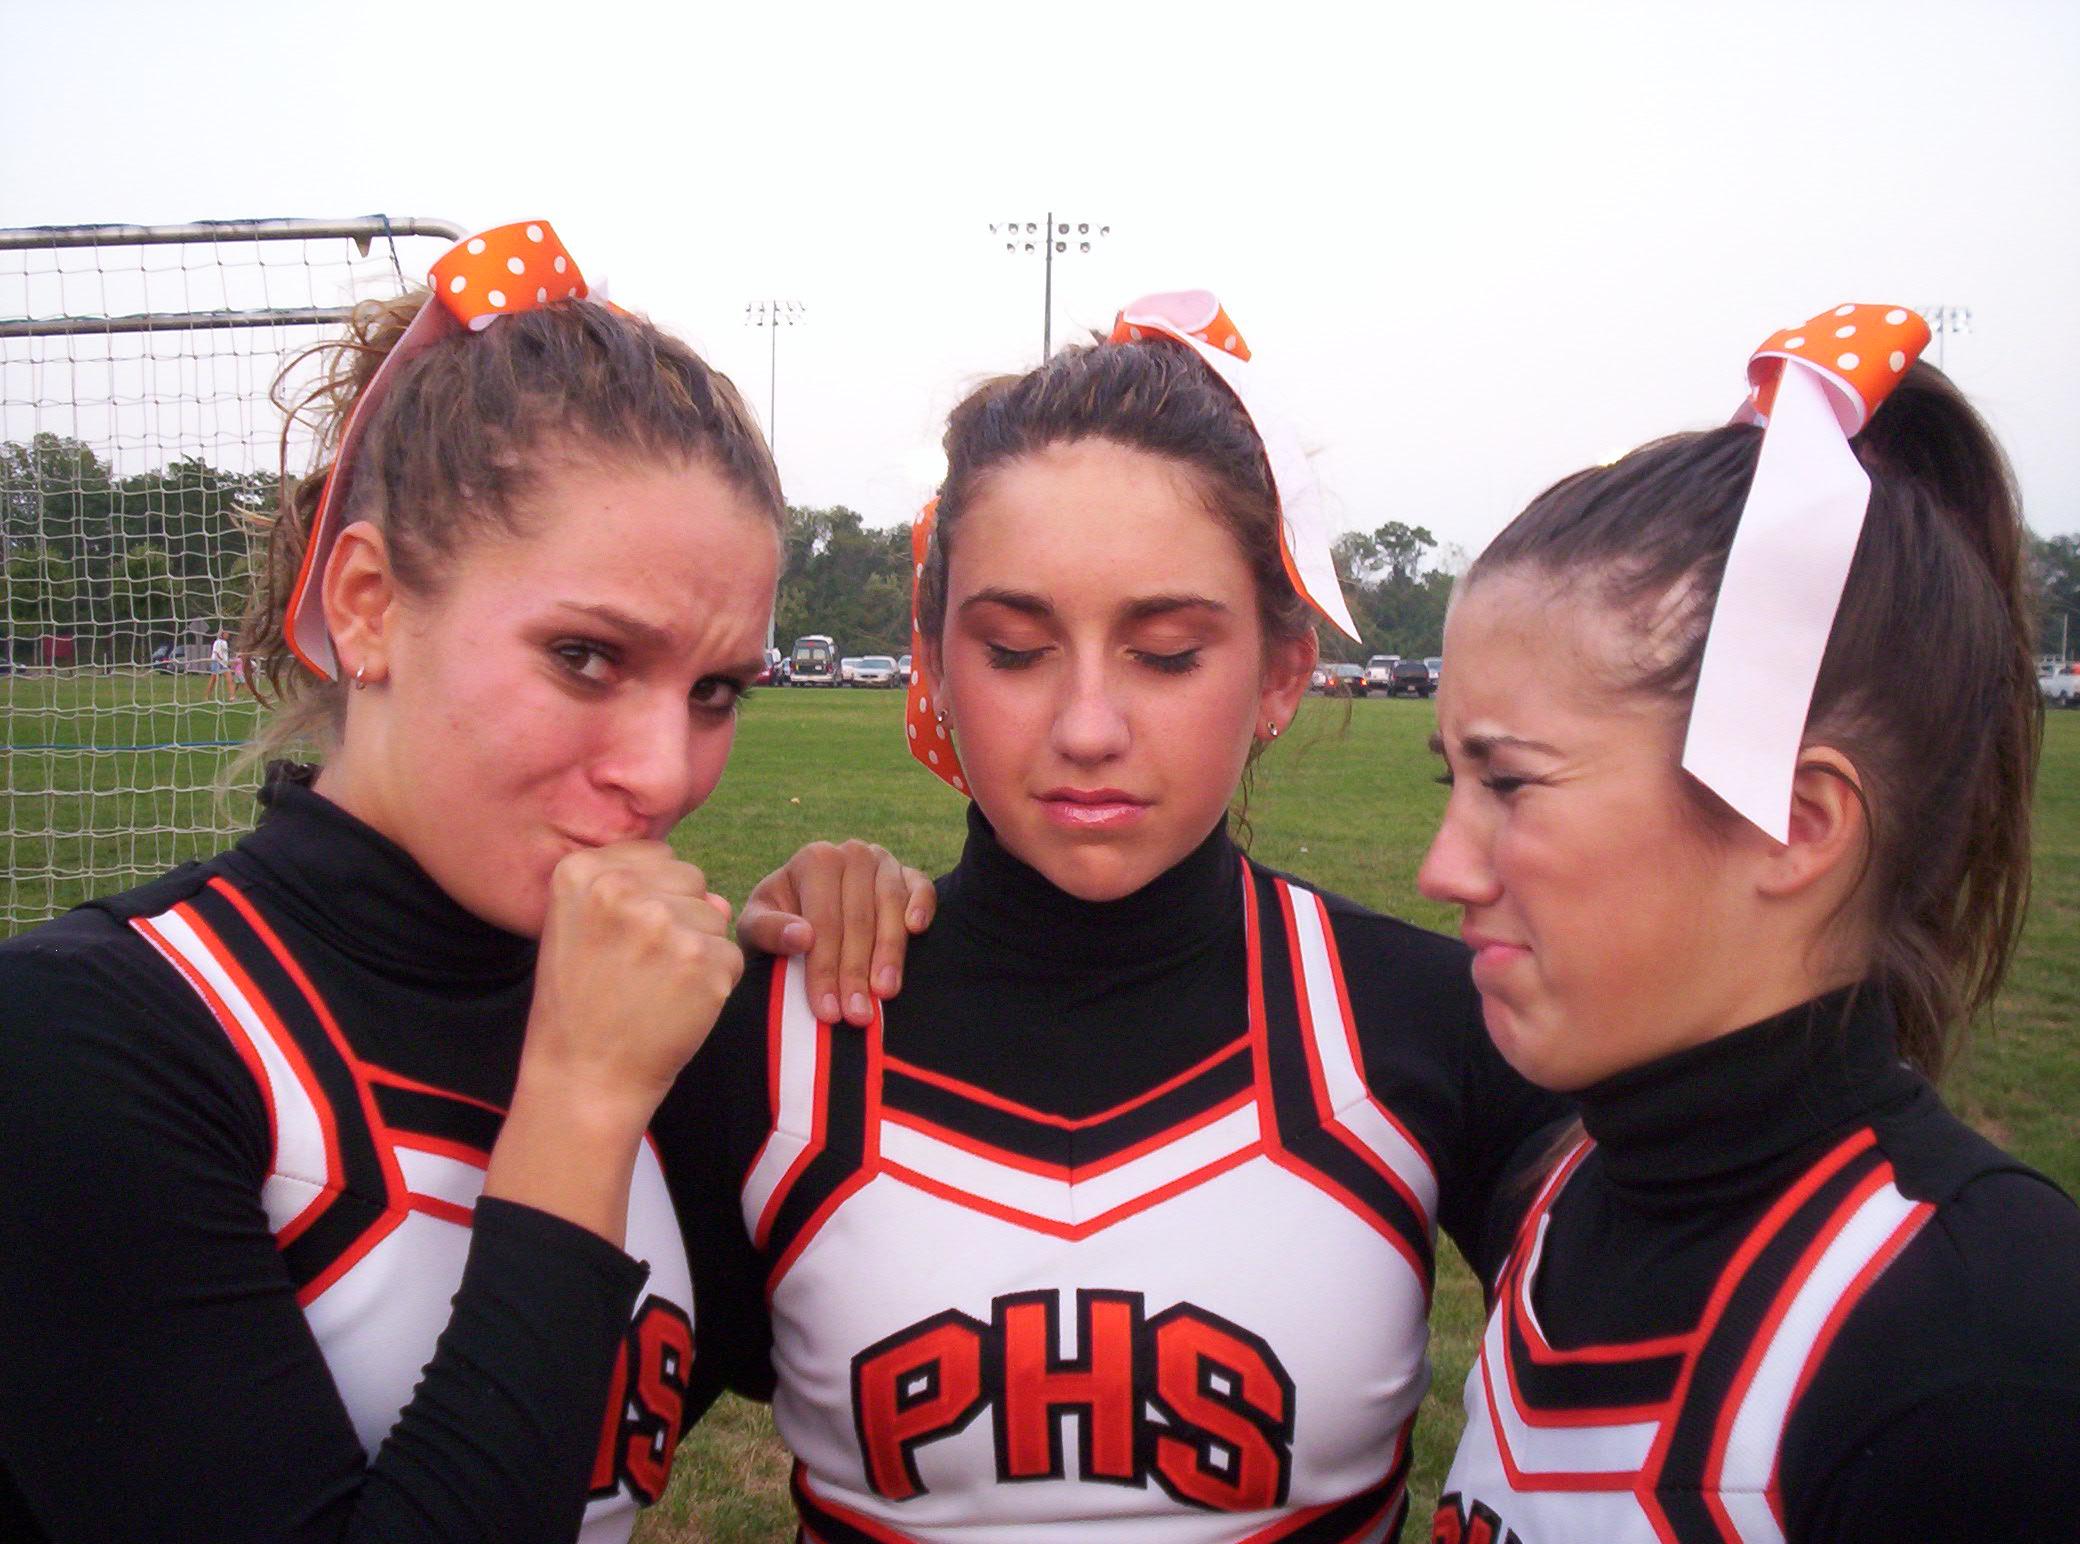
<point x="120" y="565"/>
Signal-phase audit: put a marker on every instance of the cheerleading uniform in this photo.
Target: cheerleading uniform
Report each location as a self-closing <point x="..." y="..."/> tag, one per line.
<point x="1119" y="1221"/>
<point x="248" y="1286"/>
<point x="1778" y="1292"/>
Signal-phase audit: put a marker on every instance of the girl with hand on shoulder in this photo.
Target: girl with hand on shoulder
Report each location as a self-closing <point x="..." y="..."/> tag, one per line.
<point x="1736" y="878"/>
<point x="1118" y="1222"/>
<point x="330" y="1209"/>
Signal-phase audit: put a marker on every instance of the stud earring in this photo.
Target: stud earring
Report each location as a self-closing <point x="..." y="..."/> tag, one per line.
<point x="361" y="676"/>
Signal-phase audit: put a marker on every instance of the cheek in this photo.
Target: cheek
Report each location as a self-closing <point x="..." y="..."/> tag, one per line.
<point x="710" y="757"/>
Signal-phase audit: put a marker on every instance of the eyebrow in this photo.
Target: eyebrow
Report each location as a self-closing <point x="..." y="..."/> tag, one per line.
<point x="1022" y="601"/>
<point x="1479" y="747"/>
<point x="645" y="634"/>
<point x="1028" y="604"/>
<point x="648" y="635"/>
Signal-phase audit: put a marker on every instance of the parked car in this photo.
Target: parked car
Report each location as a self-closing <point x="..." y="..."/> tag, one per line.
<point x="2060" y="690"/>
<point x="1344" y="681"/>
<point x="769" y="672"/>
<point x="1409" y="678"/>
<point x="1435" y="665"/>
<point x="873" y="670"/>
<point x="1379" y="671"/>
<point x="814" y="662"/>
<point x="903" y="669"/>
<point x="846" y="665"/>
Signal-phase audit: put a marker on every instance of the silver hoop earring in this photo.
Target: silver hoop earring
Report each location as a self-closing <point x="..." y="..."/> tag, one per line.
<point x="361" y="676"/>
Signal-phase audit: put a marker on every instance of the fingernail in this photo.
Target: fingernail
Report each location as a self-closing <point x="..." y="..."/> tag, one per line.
<point x="797" y="935"/>
<point x="859" y="1008"/>
<point x="885" y="980"/>
<point x="827" y="1008"/>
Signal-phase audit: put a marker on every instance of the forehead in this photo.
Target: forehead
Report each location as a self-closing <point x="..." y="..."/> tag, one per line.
<point x="668" y="537"/>
<point x="1532" y="657"/>
<point x="1097" y="518"/>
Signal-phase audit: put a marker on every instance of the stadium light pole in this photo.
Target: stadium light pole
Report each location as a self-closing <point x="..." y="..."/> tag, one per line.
<point x="1054" y="237"/>
<point x="1944" y="320"/>
<point x="773" y="315"/>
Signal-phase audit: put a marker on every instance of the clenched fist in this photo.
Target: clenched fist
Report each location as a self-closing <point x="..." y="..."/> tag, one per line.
<point x="635" y="964"/>
<point x="634" y="967"/>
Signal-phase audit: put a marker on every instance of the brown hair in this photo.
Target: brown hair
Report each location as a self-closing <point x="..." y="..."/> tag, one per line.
<point x="456" y="445"/>
<point x="1928" y="684"/>
<point x="1156" y="397"/>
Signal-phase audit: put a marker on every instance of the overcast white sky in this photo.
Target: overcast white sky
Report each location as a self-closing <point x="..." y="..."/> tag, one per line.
<point x="1478" y="245"/>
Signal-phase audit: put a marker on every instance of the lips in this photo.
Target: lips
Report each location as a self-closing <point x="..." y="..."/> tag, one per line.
<point x="1491" y="953"/>
<point x="1092" y="809"/>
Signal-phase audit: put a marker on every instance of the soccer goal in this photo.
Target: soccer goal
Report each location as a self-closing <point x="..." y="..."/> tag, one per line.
<point x="137" y="440"/>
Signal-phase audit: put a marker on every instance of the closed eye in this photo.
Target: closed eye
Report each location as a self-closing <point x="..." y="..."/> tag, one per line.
<point x="1002" y="658"/>
<point x="1180" y="663"/>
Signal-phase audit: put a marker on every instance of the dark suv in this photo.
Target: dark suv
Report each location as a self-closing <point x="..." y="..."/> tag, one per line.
<point x="1411" y="678"/>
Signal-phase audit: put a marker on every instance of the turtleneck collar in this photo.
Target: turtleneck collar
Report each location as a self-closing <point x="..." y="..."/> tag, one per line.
<point x="366" y="896"/>
<point x="1013" y="908"/>
<point x="1725" y="1111"/>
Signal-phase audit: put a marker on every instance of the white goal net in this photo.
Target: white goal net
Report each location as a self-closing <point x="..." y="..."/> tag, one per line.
<point x="136" y="440"/>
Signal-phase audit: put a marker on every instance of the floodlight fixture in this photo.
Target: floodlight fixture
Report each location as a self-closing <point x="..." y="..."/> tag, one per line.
<point x="1050" y="237"/>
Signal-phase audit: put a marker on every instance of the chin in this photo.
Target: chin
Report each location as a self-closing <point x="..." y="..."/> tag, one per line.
<point x="1092" y="872"/>
<point x="1527" y="1049"/>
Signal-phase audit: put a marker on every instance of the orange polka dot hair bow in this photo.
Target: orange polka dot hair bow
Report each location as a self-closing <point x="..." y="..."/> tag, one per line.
<point x="500" y="272"/>
<point x="1812" y="387"/>
<point x="923" y="724"/>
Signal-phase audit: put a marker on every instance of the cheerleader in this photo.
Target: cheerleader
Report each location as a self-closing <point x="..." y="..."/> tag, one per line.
<point x="329" y="1209"/>
<point x="1120" y="1221"/>
<point x="1738" y="863"/>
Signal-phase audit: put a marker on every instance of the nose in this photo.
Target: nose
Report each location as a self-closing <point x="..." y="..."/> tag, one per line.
<point x="653" y="758"/>
<point x="1090" y="724"/>
<point x="1458" y="870"/>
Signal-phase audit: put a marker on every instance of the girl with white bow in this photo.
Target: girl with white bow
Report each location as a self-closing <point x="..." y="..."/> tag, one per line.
<point x="1742" y="731"/>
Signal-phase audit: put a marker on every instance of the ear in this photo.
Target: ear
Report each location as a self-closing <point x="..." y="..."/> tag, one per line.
<point x="932" y="660"/>
<point x="1287" y="667"/>
<point x="1829" y="835"/>
<point x="360" y="595"/>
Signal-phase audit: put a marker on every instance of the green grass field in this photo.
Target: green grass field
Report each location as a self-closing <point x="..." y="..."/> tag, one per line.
<point x="1348" y="805"/>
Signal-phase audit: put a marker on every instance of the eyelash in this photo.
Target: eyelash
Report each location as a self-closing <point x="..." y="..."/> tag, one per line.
<point x="1501" y="787"/>
<point x="1181" y="663"/>
<point x="1001" y="658"/>
<point x="569" y="651"/>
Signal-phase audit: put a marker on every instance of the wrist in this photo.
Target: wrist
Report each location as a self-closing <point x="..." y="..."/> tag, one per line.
<point x="591" y="1102"/>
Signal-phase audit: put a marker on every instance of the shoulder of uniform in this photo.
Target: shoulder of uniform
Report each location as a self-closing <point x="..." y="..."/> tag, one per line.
<point x="1402" y="939"/>
<point x="1937" y="1157"/>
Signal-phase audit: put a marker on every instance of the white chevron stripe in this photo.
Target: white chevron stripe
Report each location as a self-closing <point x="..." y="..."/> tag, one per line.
<point x="299" y="1173"/>
<point x="795" y="1098"/>
<point x="1765" y="1409"/>
<point x="1075" y="1201"/>
<point x="1350" y="1099"/>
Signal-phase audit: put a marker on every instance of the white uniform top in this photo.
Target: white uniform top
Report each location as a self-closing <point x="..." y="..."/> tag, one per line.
<point x="373" y="1219"/>
<point x="1205" y="1335"/>
<point x="1544" y="1460"/>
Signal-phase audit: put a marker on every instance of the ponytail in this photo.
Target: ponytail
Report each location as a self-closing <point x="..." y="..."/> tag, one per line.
<point x="1928" y="684"/>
